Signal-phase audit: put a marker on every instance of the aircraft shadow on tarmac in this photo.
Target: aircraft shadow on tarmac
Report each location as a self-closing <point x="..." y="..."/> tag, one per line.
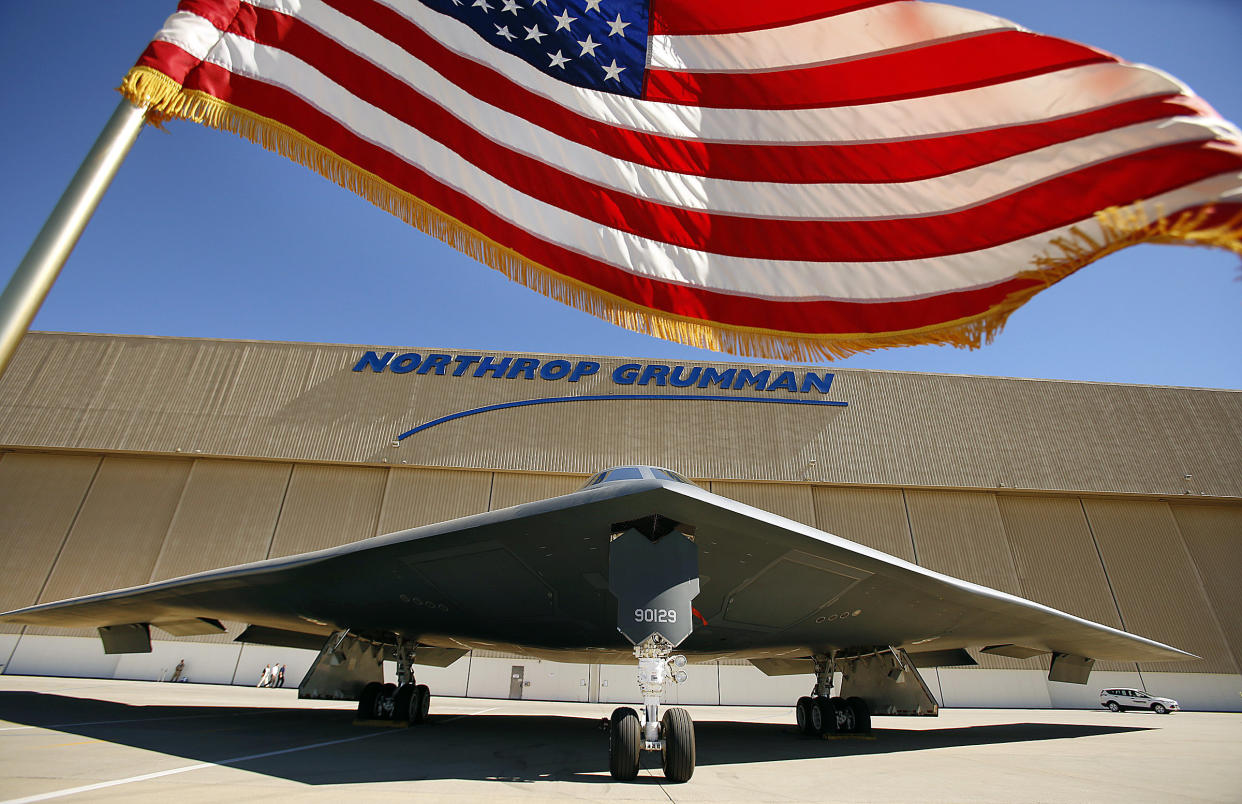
<point x="504" y="748"/>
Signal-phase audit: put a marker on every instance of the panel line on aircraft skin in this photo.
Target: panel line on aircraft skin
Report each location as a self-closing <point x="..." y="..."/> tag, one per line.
<point x="612" y="397"/>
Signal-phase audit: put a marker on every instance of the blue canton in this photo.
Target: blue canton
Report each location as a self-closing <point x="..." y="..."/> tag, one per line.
<point x="597" y="44"/>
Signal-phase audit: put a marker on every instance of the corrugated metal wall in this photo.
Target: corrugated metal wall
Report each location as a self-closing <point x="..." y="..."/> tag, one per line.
<point x="303" y="402"/>
<point x="510" y="489"/>
<point x="1158" y="587"/>
<point x="961" y="534"/>
<point x="227" y="508"/>
<point x="874" y="517"/>
<point x="39" y="499"/>
<point x="1213" y="535"/>
<point x="1057" y="561"/>
<point x="119" y="529"/>
<point x="327" y="506"/>
<point x="425" y="496"/>
<point x="243" y="451"/>
<point x="795" y="502"/>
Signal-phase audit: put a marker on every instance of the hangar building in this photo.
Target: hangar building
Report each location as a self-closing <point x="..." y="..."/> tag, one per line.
<point x="129" y="459"/>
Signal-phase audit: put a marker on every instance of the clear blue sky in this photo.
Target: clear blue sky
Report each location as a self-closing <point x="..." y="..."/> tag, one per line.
<point x="206" y="235"/>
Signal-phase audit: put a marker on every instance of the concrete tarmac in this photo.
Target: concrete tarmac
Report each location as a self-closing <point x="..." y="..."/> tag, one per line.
<point x="102" y="740"/>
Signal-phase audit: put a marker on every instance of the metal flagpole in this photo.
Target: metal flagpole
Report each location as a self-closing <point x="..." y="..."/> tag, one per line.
<point x="38" y="270"/>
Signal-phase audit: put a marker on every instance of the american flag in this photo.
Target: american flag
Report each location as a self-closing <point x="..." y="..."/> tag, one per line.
<point x="793" y="180"/>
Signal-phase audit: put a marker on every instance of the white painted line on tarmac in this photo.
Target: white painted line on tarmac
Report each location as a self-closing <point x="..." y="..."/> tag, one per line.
<point x="146" y="776"/>
<point x="134" y="720"/>
<point x="201" y="765"/>
<point x="446" y="720"/>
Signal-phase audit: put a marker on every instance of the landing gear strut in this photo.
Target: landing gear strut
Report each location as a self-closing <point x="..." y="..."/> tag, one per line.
<point x="821" y="713"/>
<point x="406" y="700"/>
<point x="671" y="735"/>
<point x="653" y="571"/>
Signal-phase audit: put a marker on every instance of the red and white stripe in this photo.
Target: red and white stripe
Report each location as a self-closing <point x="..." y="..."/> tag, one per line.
<point x="826" y="167"/>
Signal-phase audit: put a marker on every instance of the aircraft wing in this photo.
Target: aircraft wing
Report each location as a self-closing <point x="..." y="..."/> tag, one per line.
<point x="535" y="579"/>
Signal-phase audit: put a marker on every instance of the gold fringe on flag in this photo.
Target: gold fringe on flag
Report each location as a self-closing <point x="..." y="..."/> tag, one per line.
<point x="1120" y="227"/>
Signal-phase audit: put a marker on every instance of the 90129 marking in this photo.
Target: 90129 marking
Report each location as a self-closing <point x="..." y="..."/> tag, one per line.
<point x="655" y="615"/>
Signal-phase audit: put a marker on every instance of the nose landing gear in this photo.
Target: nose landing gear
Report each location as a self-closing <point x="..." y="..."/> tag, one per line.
<point x="653" y="571"/>
<point x="671" y="735"/>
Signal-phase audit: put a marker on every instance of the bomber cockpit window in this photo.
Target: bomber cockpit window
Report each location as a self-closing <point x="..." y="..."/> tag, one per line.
<point x="634" y="473"/>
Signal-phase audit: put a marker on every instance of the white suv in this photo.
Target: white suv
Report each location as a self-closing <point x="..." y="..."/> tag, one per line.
<point x="1126" y="698"/>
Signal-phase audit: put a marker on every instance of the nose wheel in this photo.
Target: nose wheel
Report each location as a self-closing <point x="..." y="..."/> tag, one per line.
<point x="675" y="745"/>
<point x="625" y="736"/>
<point x="677" y="758"/>
<point x="672" y="736"/>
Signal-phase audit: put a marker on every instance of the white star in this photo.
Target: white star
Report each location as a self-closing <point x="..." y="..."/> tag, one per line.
<point x="457" y="2"/>
<point x="504" y="31"/>
<point x="617" y="26"/>
<point x="557" y="60"/>
<point x="534" y="3"/>
<point x="533" y="32"/>
<point x="512" y="7"/>
<point x="588" y="47"/>
<point x="613" y="72"/>
<point x="481" y="4"/>
<point x="593" y="5"/>
<point x="564" y="20"/>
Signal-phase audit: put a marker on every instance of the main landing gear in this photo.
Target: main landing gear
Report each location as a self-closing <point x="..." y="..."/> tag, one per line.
<point x="671" y="735"/>
<point x="405" y="701"/>
<point x="821" y="713"/>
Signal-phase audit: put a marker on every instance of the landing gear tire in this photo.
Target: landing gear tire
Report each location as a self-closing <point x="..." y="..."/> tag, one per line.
<point x="677" y="731"/>
<point x="803" y="712"/>
<point x="862" y="714"/>
<point x="845" y="715"/>
<point x="824" y="716"/>
<point x="410" y="703"/>
<point x="424" y="704"/>
<point x="384" y="703"/>
<point x="368" y="701"/>
<point x="405" y="700"/>
<point x="624" y="744"/>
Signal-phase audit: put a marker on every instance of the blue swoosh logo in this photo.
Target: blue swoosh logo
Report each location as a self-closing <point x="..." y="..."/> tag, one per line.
<point x="615" y="397"/>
